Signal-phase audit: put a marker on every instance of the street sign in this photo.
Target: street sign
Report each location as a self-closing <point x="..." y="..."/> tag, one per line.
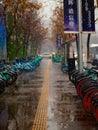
<point x="79" y="18"/>
<point x="71" y="21"/>
<point x="58" y="41"/>
<point x="88" y="18"/>
<point x="71" y="16"/>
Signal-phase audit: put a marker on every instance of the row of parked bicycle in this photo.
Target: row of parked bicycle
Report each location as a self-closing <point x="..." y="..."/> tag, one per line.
<point x="9" y="71"/>
<point x="86" y="85"/>
<point x="56" y="58"/>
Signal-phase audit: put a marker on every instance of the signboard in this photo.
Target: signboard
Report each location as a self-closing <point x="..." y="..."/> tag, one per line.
<point x="2" y="33"/>
<point x="88" y="21"/>
<point x="71" y="16"/>
<point x="58" y="41"/>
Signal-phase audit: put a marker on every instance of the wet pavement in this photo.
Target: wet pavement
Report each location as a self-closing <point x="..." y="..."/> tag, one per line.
<point x="19" y="103"/>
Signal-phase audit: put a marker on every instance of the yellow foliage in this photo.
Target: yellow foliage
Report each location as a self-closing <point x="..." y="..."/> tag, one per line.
<point x="23" y="4"/>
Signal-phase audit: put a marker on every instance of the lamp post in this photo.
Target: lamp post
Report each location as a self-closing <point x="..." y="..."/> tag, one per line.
<point x="80" y="48"/>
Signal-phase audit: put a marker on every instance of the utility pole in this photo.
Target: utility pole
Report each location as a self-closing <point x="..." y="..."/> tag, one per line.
<point x="80" y="47"/>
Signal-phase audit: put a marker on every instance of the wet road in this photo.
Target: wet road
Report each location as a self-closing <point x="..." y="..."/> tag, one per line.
<point x="49" y="88"/>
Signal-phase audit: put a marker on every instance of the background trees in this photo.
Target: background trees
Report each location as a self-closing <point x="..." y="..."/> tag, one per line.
<point x="23" y="26"/>
<point x="58" y="27"/>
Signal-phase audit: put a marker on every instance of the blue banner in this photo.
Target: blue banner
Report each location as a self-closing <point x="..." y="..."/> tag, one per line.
<point x="88" y="20"/>
<point x="58" y="41"/>
<point x="71" y="16"/>
<point x="2" y="33"/>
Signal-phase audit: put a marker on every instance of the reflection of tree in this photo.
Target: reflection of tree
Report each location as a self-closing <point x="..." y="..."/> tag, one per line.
<point x="4" y="117"/>
<point x="12" y="110"/>
<point x="24" y="116"/>
<point x="21" y="115"/>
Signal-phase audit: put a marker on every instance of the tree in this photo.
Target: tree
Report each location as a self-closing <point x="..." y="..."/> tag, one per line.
<point x="58" y="26"/>
<point x="16" y="34"/>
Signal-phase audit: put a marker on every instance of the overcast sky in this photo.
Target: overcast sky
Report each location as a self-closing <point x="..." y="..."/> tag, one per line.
<point x="46" y="10"/>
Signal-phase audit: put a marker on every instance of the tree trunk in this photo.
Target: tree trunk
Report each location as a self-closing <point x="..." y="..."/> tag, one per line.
<point x="17" y="46"/>
<point x="23" y="49"/>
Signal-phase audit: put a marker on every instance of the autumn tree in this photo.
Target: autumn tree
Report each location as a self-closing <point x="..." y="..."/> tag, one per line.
<point x="18" y="32"/>
<point x="34" y="32"/>
<point x="58" y="26"/>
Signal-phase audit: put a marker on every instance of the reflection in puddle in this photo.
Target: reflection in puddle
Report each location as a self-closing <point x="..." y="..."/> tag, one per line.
<point x="18" y="111"/>
<point x="3" y="116"/>
<point x="60" y="81"/>
<point x="18" y="114"/>
<point x="68" y="109"/>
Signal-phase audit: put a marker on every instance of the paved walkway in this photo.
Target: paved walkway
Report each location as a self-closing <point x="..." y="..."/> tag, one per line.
<point x="44" y="100"/>
<point x="65" y="109"/>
